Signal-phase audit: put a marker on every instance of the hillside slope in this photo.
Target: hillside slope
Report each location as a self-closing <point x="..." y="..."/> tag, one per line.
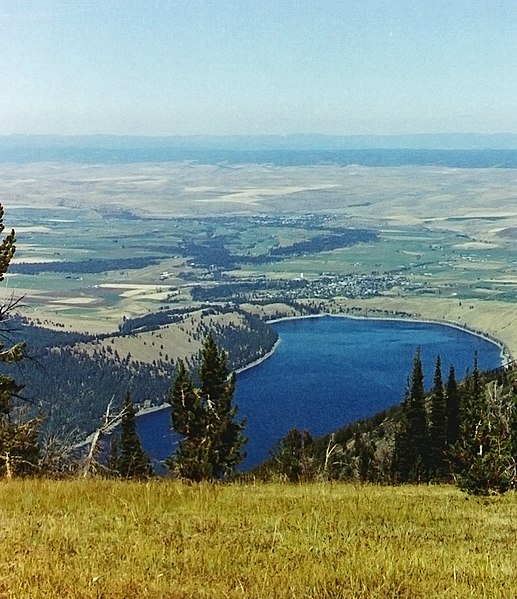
<point x="92" y="538"/>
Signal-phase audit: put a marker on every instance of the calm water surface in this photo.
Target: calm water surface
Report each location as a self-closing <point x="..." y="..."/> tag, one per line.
<point x="327" y="372"/>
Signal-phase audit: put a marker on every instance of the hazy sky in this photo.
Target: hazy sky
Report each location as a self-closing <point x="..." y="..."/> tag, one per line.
<point x="159" y="67"/>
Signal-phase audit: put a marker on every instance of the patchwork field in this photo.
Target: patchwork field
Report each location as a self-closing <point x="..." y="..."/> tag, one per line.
<point x="97" y="243"/>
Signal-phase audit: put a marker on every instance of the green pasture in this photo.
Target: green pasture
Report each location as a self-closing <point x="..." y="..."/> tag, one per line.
<point x="435" y="261"/>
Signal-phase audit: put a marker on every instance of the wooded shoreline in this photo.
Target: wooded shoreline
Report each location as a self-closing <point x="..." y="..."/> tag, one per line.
<point x="506" y="354"/>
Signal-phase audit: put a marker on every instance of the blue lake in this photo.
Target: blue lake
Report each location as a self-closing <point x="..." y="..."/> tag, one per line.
<point x="327" y="372"/>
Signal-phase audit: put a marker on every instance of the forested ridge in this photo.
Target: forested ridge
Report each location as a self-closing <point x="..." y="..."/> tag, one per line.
<point x="72" y="386"/>
<point x="462" y="431"/>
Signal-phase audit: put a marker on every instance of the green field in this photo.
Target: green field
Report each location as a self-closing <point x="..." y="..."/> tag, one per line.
<point x="444" y="231"/>
<point x="426" y="256"/>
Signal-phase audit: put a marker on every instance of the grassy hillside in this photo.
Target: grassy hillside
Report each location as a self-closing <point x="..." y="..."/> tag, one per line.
<point x="94" y="538"/>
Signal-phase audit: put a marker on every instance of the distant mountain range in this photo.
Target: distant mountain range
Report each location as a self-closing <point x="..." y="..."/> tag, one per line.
<point x="431" y="141"/>
<point x="444" y="150"/>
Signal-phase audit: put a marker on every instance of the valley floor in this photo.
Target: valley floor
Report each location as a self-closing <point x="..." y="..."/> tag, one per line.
<point x="157" y="539"/>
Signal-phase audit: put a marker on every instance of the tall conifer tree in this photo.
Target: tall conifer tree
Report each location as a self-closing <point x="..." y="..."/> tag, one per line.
<point x="217" y="390"/>
<point x="402" y="462"/>
<point x="411" y="455"/>
<point x="19" y="448"/>
<point x="437" y="425"/>
<point x="492" y="466"/>
<point x="453" y="408"/>
<point x="417" y="420"/>
<point x="212" y="439"/>
<point x="472" y="406"/>
<point x="188" y="420"/>
<point x="476" y="461"/>
<point x="131" y="460"/>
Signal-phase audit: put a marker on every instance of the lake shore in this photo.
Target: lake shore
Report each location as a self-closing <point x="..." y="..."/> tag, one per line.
<point x="494" y="320"/>
<point x="262" y="358"/>
<point x="505" y="353"/>
<point x="164" y="406"/>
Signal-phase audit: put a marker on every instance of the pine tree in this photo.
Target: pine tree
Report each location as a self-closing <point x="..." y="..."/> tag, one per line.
<point x="292" y="456"/>
<point x="186" y="409"/>
<point x="483" y="453"/>
<point x="212" y="440"/>
<point x="131" y="459"/>
<point x="437" y="425"/>
<point x="191" y="458"/>
<point x="402" y="452"/>
<point x="453" y="408"/>
<point x="492" y="466"/>
<point x="417" y="422"/>
<point x="19" y="449"/>
<point x="411" y="455"/>
<point x="472" y="408"/>
<point x="217" y="389"/>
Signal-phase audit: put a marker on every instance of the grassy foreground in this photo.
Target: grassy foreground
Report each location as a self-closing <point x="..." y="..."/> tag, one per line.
<point x="165" y="539"/>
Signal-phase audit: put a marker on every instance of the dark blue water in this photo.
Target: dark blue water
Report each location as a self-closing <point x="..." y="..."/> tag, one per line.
<point x="327" y="372"/>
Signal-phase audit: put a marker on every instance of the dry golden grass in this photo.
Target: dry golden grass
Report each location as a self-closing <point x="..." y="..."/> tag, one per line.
<point x="114" y="539"/>
<point x="398" y="195"/>
<point x="174" y="341"/>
